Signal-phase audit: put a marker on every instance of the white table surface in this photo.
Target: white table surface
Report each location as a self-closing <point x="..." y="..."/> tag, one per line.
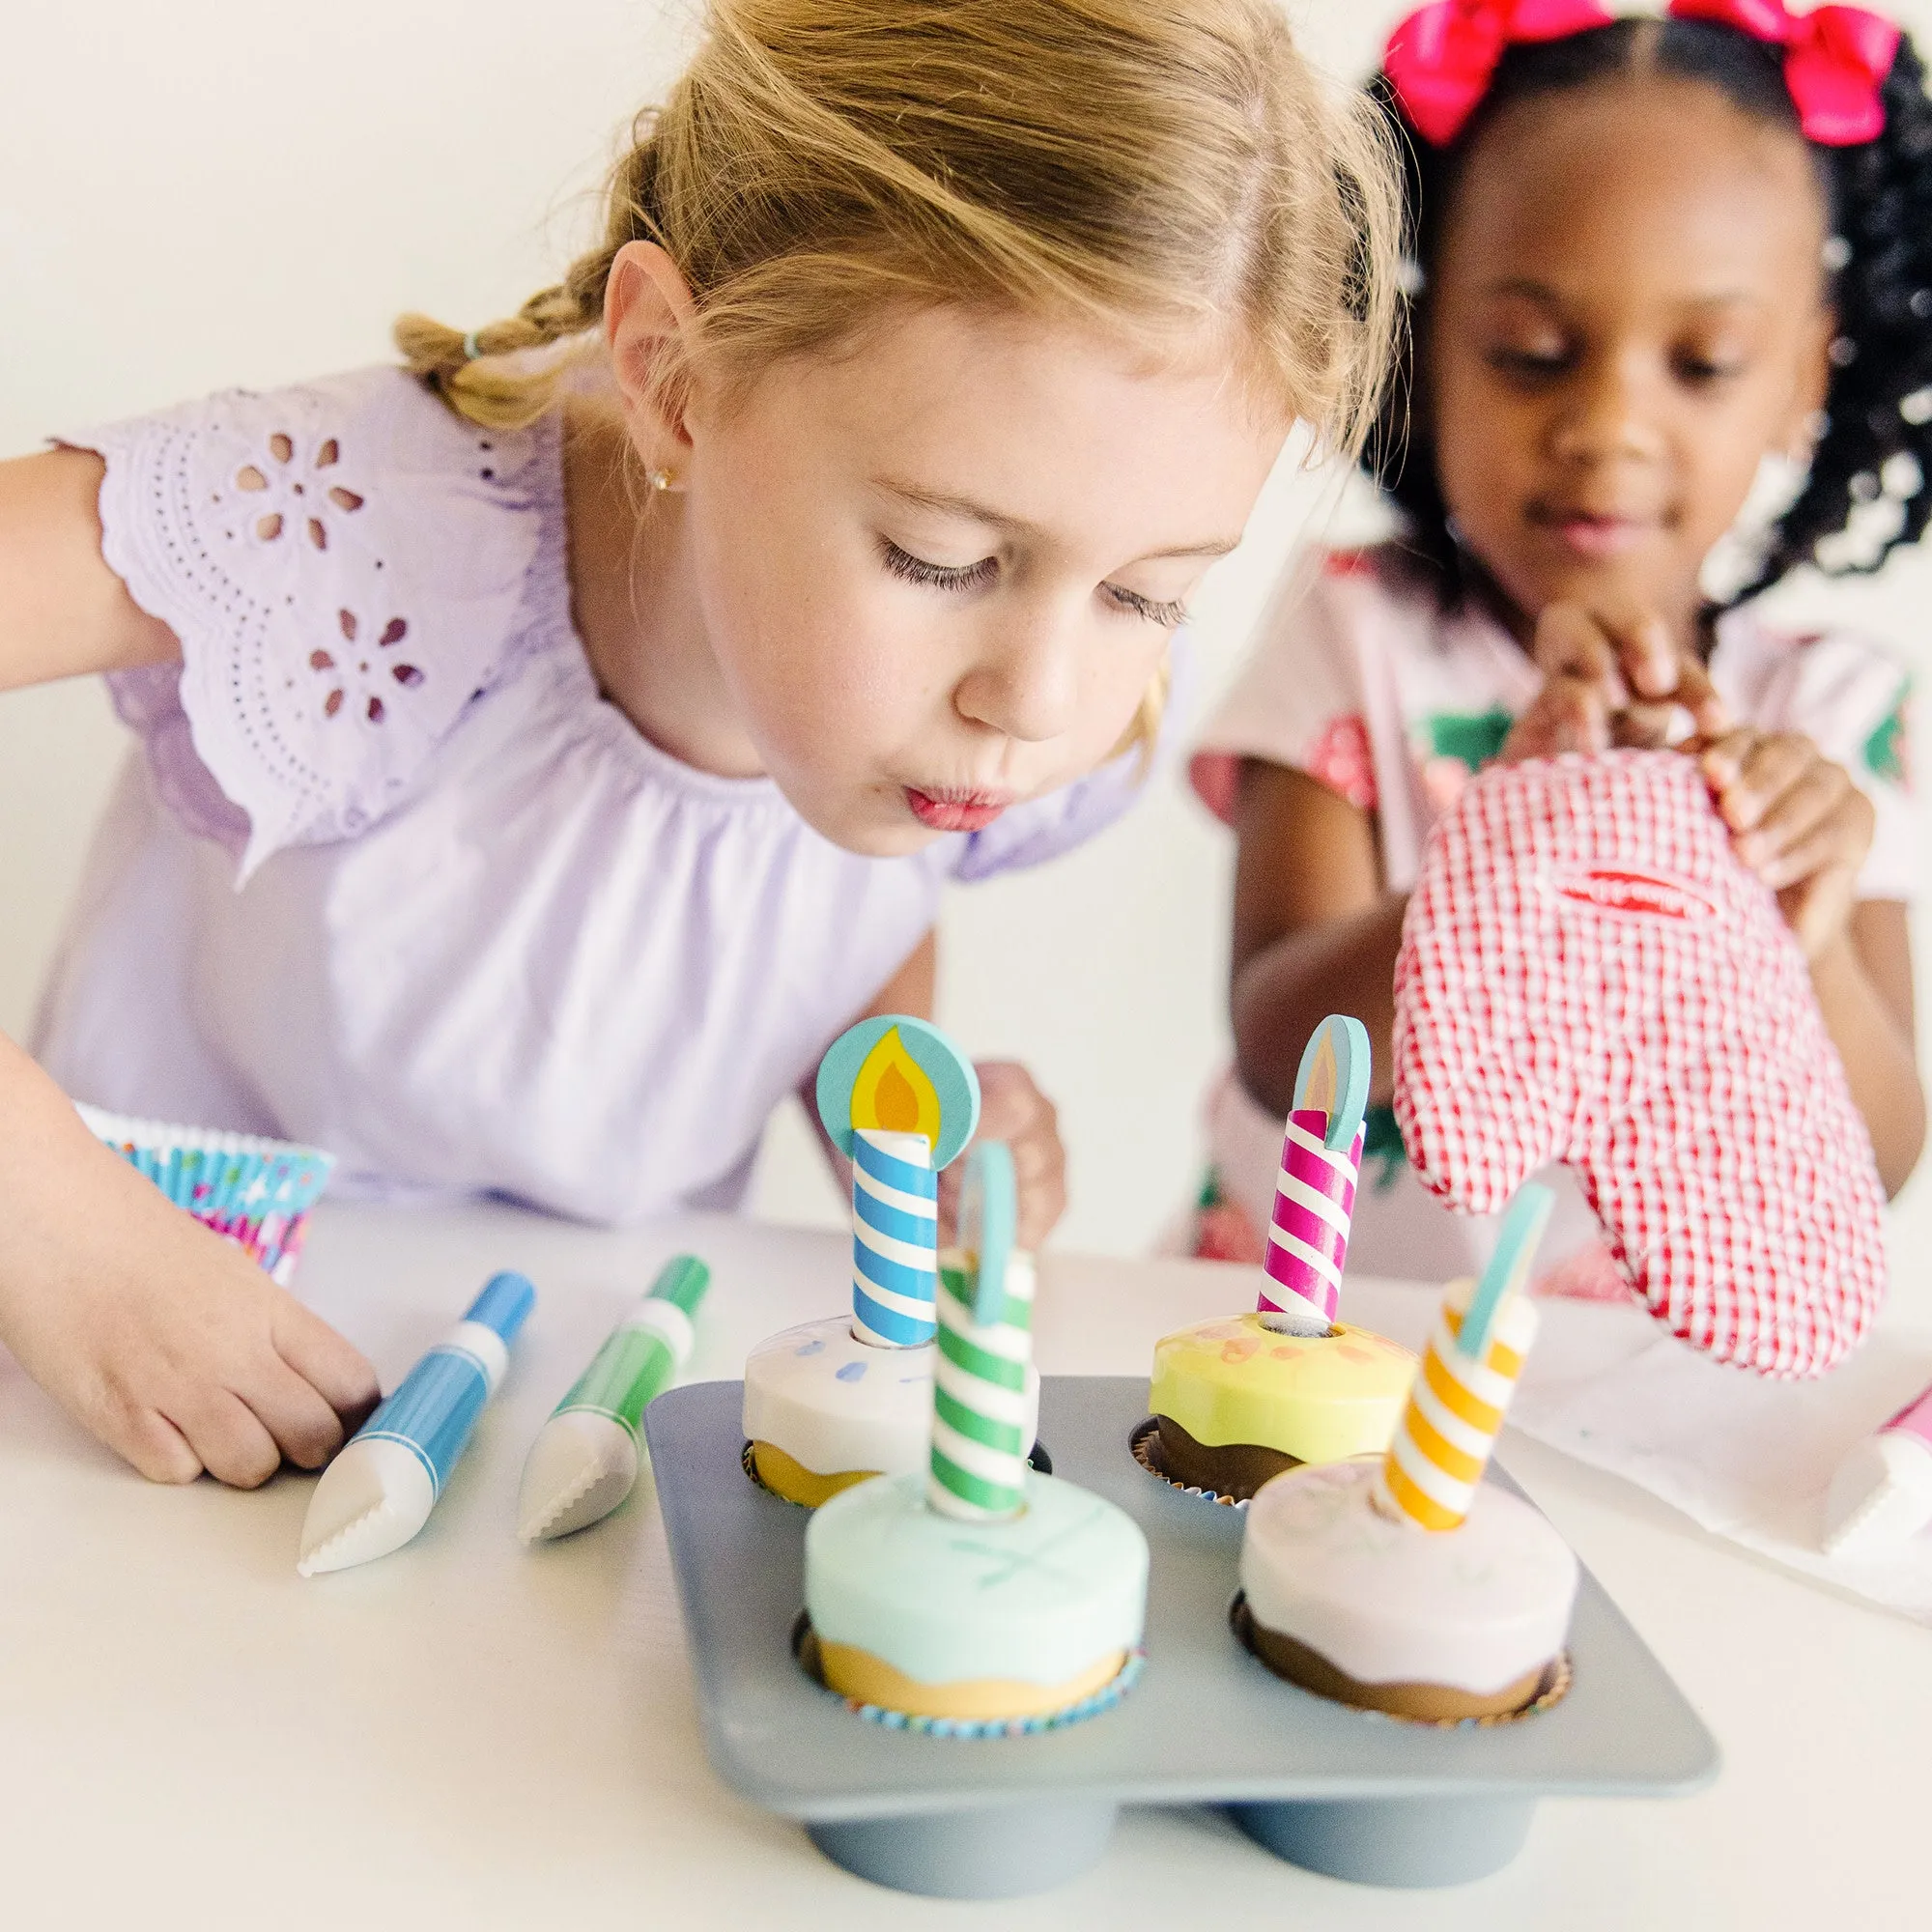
<point x="470" y="1734"/>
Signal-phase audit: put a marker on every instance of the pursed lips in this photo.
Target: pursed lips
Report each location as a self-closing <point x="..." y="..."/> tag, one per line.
<point x="953" y="808"/>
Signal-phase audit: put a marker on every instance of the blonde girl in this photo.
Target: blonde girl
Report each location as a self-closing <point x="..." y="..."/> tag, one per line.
<point x="550" y="744"/>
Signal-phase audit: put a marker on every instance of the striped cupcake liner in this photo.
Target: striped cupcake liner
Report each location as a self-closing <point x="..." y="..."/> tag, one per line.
<point x="749" y="1463"/>
<point x="255" y="1192"/>
<point x="1555" y="1686"/>
<point x="1145" y="1443"/>
<point x="1095" y="1705"/>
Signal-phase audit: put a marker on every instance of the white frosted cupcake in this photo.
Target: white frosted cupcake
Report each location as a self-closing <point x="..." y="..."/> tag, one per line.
<point x="824" y="1411"/>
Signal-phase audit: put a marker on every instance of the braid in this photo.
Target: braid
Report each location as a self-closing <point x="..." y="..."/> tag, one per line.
<point x="1869" y="488"/>
<point x="474" y="374"/>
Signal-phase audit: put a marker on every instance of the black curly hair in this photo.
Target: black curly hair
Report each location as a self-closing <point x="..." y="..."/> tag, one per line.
<point x="1878" y="198"/>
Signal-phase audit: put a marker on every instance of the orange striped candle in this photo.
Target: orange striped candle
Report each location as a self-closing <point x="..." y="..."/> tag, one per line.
<point x="1448" y="1432"/>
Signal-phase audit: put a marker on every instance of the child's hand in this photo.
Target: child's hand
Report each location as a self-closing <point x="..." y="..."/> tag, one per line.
<point x="1014" y="1109"/>
<point x="1799" y="822"/>
<point x="164" y="1340"/>
<point x="1611" y="677"/>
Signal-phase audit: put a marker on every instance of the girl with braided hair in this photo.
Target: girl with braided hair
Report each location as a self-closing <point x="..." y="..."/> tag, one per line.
<point x="1653" y="263"/>
<point x="552" y="745"/>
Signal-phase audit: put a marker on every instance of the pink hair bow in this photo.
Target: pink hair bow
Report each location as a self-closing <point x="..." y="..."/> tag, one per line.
<point x="1438" y="61"/>
<point x="1835" y="61"/>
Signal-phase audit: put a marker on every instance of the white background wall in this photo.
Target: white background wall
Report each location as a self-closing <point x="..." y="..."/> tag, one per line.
<point x="217" y="192"/>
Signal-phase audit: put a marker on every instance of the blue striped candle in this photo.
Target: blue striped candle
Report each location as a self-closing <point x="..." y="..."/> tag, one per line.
<point x="895" y="1237"/>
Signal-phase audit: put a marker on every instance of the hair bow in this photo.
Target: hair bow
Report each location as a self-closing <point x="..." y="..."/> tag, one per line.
<point x="1835" y="61"/>
<point x="1438" y="61"/>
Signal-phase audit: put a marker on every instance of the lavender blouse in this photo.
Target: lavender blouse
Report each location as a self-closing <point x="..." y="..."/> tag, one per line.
<point x="392" y="879"/>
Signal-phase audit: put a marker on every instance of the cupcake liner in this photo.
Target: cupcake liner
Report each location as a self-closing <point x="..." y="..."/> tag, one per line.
<point x="255" y="1192"/>
<point x="804" y="1647"/>
<point x="1037" y="1459"/>
<point x="749" y="1463"/>
<point x="1555" y="1686"/>
<point x="1145" y="1443"/>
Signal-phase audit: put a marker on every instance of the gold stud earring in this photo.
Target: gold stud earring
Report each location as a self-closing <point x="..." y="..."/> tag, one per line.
<point x="658" y="479"/>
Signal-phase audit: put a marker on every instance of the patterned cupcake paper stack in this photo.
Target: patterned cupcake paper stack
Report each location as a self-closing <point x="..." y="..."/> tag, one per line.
<point x="255" y="1192"/>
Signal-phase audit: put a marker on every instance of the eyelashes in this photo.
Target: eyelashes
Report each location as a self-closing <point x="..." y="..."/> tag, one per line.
<point x="977" y="576"/>
<point x="1538" y="367"/>
<point x="938" y="576"/>
<point x="1169" y="616"/>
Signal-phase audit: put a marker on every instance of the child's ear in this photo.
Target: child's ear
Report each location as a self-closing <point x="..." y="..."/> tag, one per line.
<point x="649" y="320"/>
<point x="1798" y="432"/>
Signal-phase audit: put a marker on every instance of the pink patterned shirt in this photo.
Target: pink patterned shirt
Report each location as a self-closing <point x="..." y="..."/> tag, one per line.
<point x="1360" y="679"/>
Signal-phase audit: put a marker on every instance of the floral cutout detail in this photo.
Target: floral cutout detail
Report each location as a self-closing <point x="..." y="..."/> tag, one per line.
<point x="294" y="494"/>
<point x="360" y="666"/>
<point x="1343" y="762"/>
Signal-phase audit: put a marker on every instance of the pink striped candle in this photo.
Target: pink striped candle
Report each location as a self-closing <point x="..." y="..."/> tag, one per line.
<point x="1308" y="1236"/>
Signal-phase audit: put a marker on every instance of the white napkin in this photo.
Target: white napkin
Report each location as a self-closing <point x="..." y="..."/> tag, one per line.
<point x="1746" y="1458"/>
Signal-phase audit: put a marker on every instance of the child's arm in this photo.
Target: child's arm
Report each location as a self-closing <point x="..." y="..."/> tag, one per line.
<point x="61" y="611"/>
<point x="1316" y="932"/>
<point x="161" y="1338"/>
<point x="1011" y="1109"/>
<point x="1804" y="828"/>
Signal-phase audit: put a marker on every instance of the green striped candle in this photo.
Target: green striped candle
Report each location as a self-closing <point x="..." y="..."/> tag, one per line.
<point x="980" y="1436"/>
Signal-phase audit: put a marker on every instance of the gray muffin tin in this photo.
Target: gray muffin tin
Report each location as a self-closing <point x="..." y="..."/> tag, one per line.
<point x="1340" y="1791"/>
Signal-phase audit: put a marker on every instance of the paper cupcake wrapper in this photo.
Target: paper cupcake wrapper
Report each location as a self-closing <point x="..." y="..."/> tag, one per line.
<point x="255" y="1192"/>
<point x="1102" y="1700"/>
<point x="1145" y="1443"/>
<point x="749" y="1463"/>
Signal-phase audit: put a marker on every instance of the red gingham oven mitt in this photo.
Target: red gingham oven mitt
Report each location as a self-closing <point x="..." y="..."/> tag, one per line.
<point x="1589" y="974"/>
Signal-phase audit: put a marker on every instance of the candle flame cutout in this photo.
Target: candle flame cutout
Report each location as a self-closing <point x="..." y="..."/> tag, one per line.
<point x="891" y="1092"/>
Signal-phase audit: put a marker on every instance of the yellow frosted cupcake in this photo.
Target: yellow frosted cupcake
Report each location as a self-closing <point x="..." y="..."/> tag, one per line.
<point x="1236" y="1402"/>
